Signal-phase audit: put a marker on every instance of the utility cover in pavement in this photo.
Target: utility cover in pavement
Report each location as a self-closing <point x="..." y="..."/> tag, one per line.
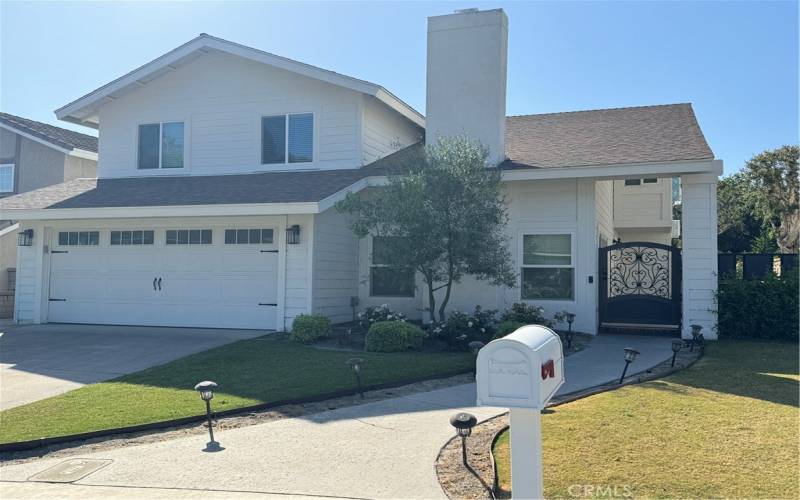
<point x="70" y="471"/>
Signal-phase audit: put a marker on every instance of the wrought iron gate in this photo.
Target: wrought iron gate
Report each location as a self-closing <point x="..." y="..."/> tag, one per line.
<point x="640" y="285"/>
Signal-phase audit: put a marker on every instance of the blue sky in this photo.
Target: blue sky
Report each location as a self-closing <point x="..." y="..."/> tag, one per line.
<point x="737" y="62"/>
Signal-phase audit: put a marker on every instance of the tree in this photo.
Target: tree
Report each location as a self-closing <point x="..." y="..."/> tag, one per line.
<point x="445" y="214"/>
<point x="741" y="228"/>
<point x="773" y="176"/>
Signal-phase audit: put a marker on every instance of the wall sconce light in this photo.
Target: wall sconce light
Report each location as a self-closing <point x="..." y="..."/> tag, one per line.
<point x="25" y="238"/>
<point x="293" y="234"/>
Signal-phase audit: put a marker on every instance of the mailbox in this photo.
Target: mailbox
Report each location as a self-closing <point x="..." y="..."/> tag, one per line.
<point x="521" y="370"/>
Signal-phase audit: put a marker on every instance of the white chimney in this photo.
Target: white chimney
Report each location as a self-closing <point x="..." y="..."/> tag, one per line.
<point x="466" y="83"/>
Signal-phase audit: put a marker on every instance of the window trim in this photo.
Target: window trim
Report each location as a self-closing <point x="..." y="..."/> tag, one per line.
<point x="286" y="137"/>
<point x="131" y="244"/>
<point x="237" y="243"/>
<point x="189" y="230"/>
<point x="13" y="167"/>
<point x="573" y="251"/>
<point x="642" y="181"/>
<point x="374" y="265"/>
<point x="160" y="124"/>
<point x="57" y="236"/>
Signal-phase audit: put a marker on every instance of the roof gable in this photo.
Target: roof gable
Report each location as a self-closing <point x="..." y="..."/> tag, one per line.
<point x="57" y="137"/>
<point x="84" y="110"/>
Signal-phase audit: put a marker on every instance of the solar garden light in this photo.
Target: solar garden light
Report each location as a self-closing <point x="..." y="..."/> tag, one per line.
<point x="570" y="318"/>
<point x="463" y="423"/>
<point x="696" y="329"/>
<point x="355" y="365"/>
<point x="206" y="390"/>
<point x="475" y="346"/>
<point x="677" y="345"/>
<point x="630" y="357"/>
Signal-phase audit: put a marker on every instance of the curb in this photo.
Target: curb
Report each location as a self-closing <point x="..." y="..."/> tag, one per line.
<point x="41" y="442"/>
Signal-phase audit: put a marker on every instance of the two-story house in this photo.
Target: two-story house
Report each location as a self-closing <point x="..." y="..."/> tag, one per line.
<point x="220" y="165"/>
<point x="34" y="155"/>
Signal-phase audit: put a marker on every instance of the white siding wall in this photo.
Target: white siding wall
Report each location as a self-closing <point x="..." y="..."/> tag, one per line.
<point x="604" y="200"/>
<point x="28" y="301"/>
<point x="385" y="131"/>
<point x="659" y="235"/>
<point x="298" y="281"/>
<point x="221" y="99"/>
<point x="699" y="253"/>
<point x="335" y="266"/>
<point x="643" y="206"/>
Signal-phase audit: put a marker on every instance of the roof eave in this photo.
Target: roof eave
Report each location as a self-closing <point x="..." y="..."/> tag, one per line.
<point x="75" y="111"/>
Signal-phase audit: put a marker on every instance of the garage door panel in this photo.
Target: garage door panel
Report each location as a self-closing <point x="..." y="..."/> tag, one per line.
<point x="218" y="286"/>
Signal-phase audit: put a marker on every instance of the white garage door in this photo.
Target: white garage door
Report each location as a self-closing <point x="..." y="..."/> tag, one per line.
<point x="216" y="277"/>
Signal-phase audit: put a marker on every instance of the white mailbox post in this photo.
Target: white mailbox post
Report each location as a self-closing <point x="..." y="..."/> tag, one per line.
<point x="522" y="371"/>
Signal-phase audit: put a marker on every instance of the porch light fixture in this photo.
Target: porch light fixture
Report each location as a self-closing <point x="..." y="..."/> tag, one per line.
<point x="463" y="423"/>
<point x="677" y="345"/>
<point x="630" y="357"/>
<point x="25" y="238"/>
<point x="293" y="235"/>
<point x="570" y="319"/>
<point x="475" y="346"/>
<point x="206" y="390"/>
<point x="355" y="365"/>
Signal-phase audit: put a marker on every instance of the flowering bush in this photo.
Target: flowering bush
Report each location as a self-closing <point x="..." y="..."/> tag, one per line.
<point x="461" y="328"/>
<point x="394" y="336"/>
<point x="527" y="314"/>
<point x="374" y="314"/>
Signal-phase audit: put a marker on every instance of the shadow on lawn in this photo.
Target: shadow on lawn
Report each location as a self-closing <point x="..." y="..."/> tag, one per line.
<point x="767" y="371"/>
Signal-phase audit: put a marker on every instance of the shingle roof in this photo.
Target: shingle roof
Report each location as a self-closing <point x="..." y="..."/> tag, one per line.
<point x="600" y="137"/>
<point x="605" y="137"/>
<point x="61" y="137"/>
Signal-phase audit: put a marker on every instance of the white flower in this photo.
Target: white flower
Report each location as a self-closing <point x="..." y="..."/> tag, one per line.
<point x="469" y="324"/>
<point x="483" y="330"/>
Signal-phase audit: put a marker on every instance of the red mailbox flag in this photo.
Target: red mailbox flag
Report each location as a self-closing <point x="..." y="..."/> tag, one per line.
<point x="548" y="369"/>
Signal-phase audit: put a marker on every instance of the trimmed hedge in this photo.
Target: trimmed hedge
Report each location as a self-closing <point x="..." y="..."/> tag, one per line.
<point x="507" y="327"/>
<point x="307" y="328"/>
<point x="759" y="309"/>
<point x="394" y="336"/>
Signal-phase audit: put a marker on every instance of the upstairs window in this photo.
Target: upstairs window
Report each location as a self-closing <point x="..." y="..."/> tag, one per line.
<point x="161" y="145"/>
<point x="7" y="178"/>
<point x="287" y="138"/>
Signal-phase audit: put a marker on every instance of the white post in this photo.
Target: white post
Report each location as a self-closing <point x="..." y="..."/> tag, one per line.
<point x="699" y="253"/>
<point x="526" y="453"/>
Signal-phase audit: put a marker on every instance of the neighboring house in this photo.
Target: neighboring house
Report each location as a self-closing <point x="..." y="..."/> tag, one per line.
<point x="221" y="164"/>
<point x="34" y="155"/>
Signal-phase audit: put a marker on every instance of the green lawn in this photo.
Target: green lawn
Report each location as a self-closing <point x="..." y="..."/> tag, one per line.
<point x="248" y="372"/>
<point x="726" y="427"/>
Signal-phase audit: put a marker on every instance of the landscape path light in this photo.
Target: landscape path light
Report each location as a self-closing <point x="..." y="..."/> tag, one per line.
<point x="355" y="364"/>
<point x="206" y="390"/>
<point x="696" y="329"/>
<point x="463" y="423"/>
<point x="475" y="346"/>
<point x="677" y="345"/>
<point x="630" y="357"/>
<point x="570" y="319"/>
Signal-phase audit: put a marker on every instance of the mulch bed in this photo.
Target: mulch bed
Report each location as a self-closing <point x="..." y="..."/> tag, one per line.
<point x="459" y="482"/>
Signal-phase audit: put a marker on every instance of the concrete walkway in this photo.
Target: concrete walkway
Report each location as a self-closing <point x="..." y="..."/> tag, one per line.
<point x="384" y="449"/>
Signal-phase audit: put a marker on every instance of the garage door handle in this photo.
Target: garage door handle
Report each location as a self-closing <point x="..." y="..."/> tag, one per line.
<point x="159" y="284"/>
<point x="266" y="304"/>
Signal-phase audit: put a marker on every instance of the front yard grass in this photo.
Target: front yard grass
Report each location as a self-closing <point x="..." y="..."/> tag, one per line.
<point x="248" y="372"/>
<point x="725" y="428"/>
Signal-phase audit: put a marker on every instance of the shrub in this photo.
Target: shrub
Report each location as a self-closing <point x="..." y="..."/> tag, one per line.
<point x="507" y="327"/>
<point x="526" y="313"/>
<point x="372" y="315"/>
<point x="394" y="336"/>
<point x="461" y="328"/>
<point x="759" y="309"/>
<point x="307" y="328"/>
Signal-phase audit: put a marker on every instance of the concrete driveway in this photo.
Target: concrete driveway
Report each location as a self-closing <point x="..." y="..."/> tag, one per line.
<point x="39" y="361"/>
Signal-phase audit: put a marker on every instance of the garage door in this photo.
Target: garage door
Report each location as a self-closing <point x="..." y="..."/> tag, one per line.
<point x="216" y="277"/>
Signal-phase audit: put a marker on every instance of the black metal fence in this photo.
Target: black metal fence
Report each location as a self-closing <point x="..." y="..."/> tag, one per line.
<point x="752" y="266"/>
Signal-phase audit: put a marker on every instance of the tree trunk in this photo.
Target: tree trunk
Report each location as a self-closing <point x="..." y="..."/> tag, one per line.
<point x="431" y="296"/>
<point x="788" y="233"/>
<point x="445" y="300"/>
